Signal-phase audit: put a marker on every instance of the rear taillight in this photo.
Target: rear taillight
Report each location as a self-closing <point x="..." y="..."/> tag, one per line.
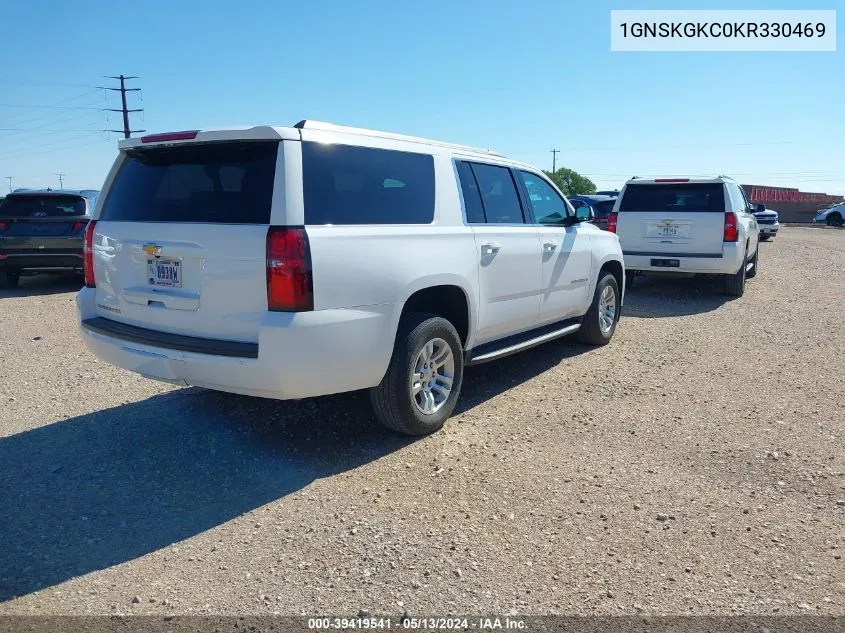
<point x="88" y="255"/>
<point x="611" y="222"/>
<point x="289" y="284"/>
<point x="731" y="228"/>
<point x="4" y="226"/>
<point x="77" y="226"/>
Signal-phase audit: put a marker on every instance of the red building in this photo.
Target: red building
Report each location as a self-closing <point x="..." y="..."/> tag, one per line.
<point x="763" y="194"/>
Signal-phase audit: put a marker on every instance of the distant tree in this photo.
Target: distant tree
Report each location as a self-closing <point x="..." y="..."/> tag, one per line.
<point x="571" y="183"/>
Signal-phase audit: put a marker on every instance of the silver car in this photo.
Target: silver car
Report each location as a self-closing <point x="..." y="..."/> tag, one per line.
<point x="832" y="216"/>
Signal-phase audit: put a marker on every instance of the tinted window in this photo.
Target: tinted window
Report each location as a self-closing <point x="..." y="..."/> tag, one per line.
<point x="208" y="182"/>
<point x="52" y="206"/>
<point x="548" y="206"/>
<point x="498" y="194"/>
<point x="603" y="208"/>
<point x="665" y="198"/>
<point x="472" y="197"/>
<point x="359" y="185"/>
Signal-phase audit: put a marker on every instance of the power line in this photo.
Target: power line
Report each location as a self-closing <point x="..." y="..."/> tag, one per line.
<point x="54" y="107"/>
<point x="127" y="132"/>
<point x="42" y="84"/>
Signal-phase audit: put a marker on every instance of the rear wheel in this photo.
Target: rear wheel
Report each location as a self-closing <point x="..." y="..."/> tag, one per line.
<point x="753" y="272"/>
<point x="599" y="323"/>
<point x="834" y="219"/>
<point x="423" y="381"/>
<point x="12" y="278"/>
<point x="735" y="283"/>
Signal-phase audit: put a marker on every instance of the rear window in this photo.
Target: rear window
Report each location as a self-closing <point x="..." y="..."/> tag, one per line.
<point x="603" y="208"/>
<point x="666" y="198"/>
<point x="52" y="206"/>
<point x="229" y="183"/>
<point x="344" y="184"/>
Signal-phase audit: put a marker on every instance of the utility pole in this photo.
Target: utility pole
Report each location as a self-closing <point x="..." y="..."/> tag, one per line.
<point x="61" y="182"/>
<point x="555" y="152"/>
<point x="125" y="110"/>
<point x="9" y="178"/>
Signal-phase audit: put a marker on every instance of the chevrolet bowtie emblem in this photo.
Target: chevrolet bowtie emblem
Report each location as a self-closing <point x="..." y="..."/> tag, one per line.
<point x="667" y="221"/>
<point x="152" y="249"/>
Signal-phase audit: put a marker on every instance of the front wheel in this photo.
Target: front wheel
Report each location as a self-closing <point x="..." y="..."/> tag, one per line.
<point x="423" y="381"/>
<point x="599" y="323"/>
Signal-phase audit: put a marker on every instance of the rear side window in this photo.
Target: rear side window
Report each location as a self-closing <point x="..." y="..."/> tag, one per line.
<point x="666" y="198"/>
<point x="498" y="194"/>
<point x="52" y="206"/>
<point x="230" y="183"/>
<point x="472" y="196"/>
<point x="344" y="184"/>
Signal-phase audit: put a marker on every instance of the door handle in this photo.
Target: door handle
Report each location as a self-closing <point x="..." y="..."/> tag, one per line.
<point x="489" y="248"/>
<point x="548" y="247"/>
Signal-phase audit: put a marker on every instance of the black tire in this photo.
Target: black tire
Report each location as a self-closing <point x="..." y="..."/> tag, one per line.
<point x="591" y="331"/>
<point x="735" y="283"/>
<point x="754" y="260"/>
<point x="393" y="403"/>
<point x="834" y="219"/>
<point x="12" y="278"/>
<point x="764" y="238"/>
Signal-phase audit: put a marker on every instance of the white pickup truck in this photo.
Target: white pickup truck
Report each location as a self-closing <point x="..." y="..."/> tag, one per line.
<point x="289" y="262"/>
<point x="687" y="225"/>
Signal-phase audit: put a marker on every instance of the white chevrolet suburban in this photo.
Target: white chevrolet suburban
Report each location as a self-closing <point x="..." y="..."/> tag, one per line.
<point x="687" y="225"/>
<point x="289" y="262"/>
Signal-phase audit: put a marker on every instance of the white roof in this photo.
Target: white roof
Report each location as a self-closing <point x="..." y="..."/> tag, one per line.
<point x="678" y="179"/>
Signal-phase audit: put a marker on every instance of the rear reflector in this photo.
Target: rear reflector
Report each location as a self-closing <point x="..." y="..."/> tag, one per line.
<point x="289" y="283"/>
<point x="671" y="180"/>
<point x="88" y="255"/>
<point x="170" y="136"/>
<point x="4" y="226"/>
<point x="611" y="222"/>
<point x="731" y="228"/>
<point x="76" y="226"/>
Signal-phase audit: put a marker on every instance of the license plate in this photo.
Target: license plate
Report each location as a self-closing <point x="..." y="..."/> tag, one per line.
<point x="667" y="231"/>
<point x="164" y="272"/>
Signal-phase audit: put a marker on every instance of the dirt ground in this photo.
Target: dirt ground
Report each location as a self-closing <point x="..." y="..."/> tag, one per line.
<point x="694" y="465"/>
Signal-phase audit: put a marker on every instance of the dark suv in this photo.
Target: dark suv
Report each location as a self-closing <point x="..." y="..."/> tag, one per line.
<point x="601" y="205"/>
<point x="43" y="230"/>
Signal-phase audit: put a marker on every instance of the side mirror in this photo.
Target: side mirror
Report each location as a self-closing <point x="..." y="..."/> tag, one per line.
<point x="584" y="213"/>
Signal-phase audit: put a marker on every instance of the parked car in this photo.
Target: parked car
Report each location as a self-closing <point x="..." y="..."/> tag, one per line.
<point x="767" y="222"/>
<point x="687" y="225"/>
<point x="601" y="207"/>
<point x="614" y="193"/>
<point x="289" y="262"/>
<point x="832" y="216"/>
<point x="42" y="231"/>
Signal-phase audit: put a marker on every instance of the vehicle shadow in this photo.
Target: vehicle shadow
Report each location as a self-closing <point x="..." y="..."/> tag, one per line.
<point x="93" y="491"/>
<point x="655" y="297"/>
<point x="41" y="284"/>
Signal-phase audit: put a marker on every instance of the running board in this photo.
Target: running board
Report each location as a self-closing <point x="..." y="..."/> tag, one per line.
<point x="512" y="344"/>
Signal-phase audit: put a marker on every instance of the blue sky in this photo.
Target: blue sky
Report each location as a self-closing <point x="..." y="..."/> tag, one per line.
<point x="522" y="78"/>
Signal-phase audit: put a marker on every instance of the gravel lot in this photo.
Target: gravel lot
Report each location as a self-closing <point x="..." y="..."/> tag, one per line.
<point x="694" y="465"/>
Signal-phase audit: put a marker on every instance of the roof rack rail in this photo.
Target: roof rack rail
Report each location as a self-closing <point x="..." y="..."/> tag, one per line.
<point x="308" y="124"/>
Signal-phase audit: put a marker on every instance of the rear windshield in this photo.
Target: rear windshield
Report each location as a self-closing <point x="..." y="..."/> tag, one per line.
<point x="674" y="197"/>
<point x="230" y="183"/>
<point x="52" y="206"/>
<point x="603" y="208"/>
<point x="359" y="185"/>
